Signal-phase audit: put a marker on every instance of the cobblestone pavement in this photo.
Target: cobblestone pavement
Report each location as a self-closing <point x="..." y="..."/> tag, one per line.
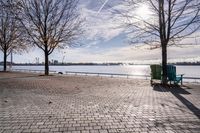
<point x="75" y="104"/>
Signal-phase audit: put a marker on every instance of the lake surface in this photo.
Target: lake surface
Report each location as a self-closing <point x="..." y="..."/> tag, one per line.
<point x="188" y="71"/>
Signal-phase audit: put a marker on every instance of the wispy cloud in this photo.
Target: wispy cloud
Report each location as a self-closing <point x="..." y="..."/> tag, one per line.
<point x="106" y="1"/>
<point x="101" y="32"/>
<point x="100" y="26"/>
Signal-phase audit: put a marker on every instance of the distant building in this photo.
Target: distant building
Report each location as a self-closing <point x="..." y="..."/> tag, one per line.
<point x="55" y="62"/>
<point x="8" y="63"/>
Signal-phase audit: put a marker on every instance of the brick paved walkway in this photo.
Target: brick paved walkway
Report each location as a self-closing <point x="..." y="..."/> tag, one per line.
<point x="31" y="103"/>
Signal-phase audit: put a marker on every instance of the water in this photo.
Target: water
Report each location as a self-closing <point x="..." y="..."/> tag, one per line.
<point x="188" y="71"/>
<point x="118" y="69"/>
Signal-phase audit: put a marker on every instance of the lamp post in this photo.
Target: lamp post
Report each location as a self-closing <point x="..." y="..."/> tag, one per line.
<point x="11" y="58"/>
<point x="63" y="57"/>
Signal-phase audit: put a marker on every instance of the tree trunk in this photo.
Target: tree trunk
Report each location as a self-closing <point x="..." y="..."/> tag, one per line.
<point x="46" y="61"/>
<point x="164" y="64"/>
<point x="5" y="61"/>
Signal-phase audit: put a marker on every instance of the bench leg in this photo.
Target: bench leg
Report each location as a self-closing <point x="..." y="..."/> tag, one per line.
<point x="181" y="81"/>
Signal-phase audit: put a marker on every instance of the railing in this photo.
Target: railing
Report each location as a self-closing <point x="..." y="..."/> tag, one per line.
<point x="34" y="71"/>
<point x="108" y="74"/>
<point x="194" y="79"/>
<point x="191" y="77"/>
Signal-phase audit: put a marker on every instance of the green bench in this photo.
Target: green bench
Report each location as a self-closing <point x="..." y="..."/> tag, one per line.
<point x="156" y="74"/>
<point x="172" y="76"/>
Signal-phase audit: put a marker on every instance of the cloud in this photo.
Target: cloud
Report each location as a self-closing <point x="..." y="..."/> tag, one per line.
<point x="118" y="54"/>
<point x="192" y="39"/>
<point x="104" y="41"/>
<point x="29" y="57"/>
<point x="133" y="54"/>
<point x="100" y="26"/>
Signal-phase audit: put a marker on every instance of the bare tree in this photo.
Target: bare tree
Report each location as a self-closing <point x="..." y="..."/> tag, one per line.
<point x="12" y="36"/>
<point x="167" y="22"/>
<point x="50" y="24"/>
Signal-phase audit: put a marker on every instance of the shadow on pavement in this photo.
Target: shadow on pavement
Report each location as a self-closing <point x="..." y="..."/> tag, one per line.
<point x="178" y="91"/>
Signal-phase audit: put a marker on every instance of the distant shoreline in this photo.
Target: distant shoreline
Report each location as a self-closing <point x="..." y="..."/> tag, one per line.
<point x="98" y="64"/>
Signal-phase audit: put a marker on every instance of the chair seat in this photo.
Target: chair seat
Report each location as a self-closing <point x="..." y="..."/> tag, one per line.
<point x="178" y="79"/>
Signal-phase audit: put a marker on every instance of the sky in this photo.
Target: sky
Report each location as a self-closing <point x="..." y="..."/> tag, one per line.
<point x="105" y="41"/>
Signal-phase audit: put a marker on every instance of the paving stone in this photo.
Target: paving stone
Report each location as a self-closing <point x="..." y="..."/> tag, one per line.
<point x="35" y="130"/>
<point x="32" y="103"/>
<point x="103" y="131"/>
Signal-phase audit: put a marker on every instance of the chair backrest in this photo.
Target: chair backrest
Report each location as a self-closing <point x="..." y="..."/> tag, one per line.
<point x="155" y="71"/>
<point x="171" y="72"/>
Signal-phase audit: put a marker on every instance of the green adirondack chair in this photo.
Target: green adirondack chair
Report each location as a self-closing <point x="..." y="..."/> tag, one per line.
<point x="155" y="72"/>
<point x="171" y="75"/>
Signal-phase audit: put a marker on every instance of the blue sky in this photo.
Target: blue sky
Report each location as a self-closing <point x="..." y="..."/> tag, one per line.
<point x="103" y="42"/>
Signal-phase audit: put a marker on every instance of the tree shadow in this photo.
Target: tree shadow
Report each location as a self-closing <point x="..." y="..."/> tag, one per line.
<point x="177" y="91"/>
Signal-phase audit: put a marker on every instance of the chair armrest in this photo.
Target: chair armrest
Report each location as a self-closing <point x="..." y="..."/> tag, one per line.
<point x="181" y="75"/>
